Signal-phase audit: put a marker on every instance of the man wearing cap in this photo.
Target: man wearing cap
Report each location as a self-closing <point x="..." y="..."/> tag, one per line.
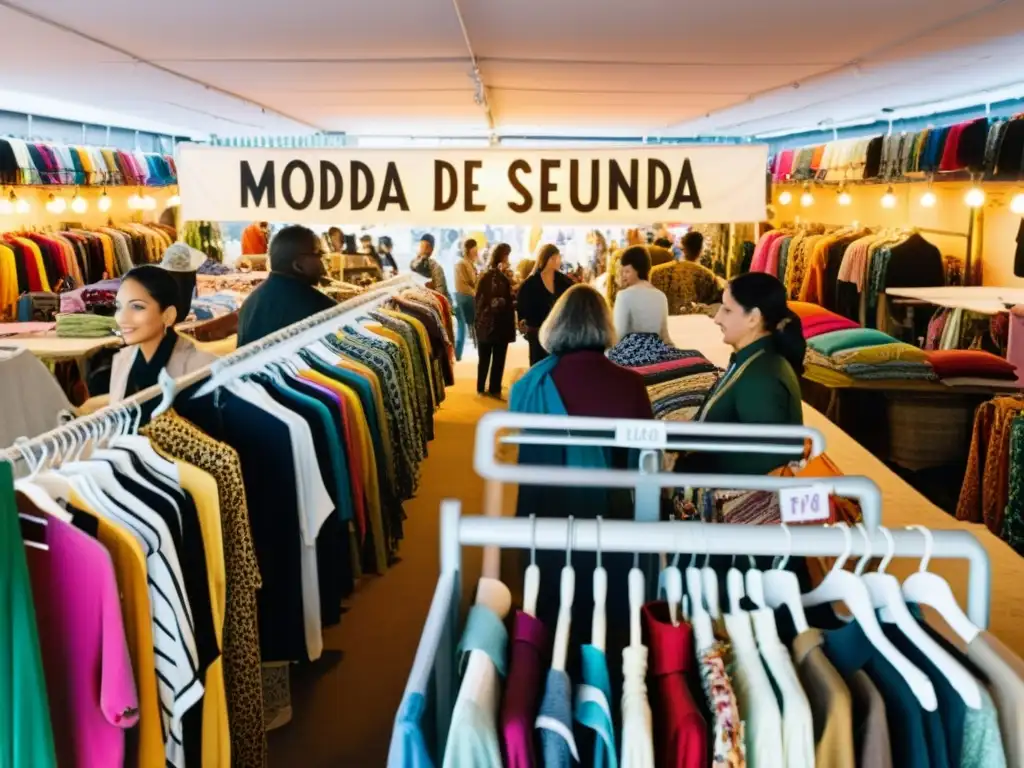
<point x="289" y="294"/>
<point x="425" y="264"/>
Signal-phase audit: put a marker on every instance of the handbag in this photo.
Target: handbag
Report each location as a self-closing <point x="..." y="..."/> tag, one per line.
<point x="38" y="306"/>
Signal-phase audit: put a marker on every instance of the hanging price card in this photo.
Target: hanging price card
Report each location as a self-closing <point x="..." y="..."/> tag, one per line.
<point x="642" y="434"/>
<point x="804" y="505"/>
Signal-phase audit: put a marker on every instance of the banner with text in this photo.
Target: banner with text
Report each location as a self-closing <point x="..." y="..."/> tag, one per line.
<point x="694" y="184"/>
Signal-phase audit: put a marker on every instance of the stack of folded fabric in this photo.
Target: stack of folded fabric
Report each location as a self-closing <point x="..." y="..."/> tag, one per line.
<point x="678" y="399"/>
<point x="88" y="297"/>
<point x="972" y="367"/>
<point x="864" y="354"/>
<point x="85" y="326"/>
<point x="215" y="305"/>
<point x="817" y="320"/>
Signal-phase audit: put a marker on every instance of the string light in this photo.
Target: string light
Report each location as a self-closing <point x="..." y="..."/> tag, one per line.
<point x="21" y="206"/>
<point x="78" y="203"/>
<point x="173" y="201"/>
<point x="135" y="202"/>
<point x="104" y="202"/>
<point x="7" y="204"/>
<point x="56" y="204"/>
<point x="807" y="199"/>
<point x="889" y="198"/>
<point x="1017" y="204"/>
<point x="785" y="197"/>
<point x="148" y="203"/>
<point x="975" y="197"/>
<point x="844" y="197"/>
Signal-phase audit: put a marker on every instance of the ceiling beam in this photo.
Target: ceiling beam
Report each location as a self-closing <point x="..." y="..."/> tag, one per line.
<point x="14" y="7"/>
<point x="480" y="95"/>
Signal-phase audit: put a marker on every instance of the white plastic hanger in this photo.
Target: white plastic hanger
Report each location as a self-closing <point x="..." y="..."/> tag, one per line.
<point x="168" y="390"/>
<point x="709" y="580"/>
<point x="694" y="599"/>
<point x="38" y="489"/>
<point x="781" y="587"/>
<point x="599" y="625"/>
<point x="672" y="583"/>
<point x="754" y="583"/>
<point x="842" y="586"/>
<point x="734" y="588"/>
<point x="567" y="592"/>
<point x="531" y="581"/>
<point x="932" y="590"/>
<point x="887" y="596"/>
<point x="700" y="619"/>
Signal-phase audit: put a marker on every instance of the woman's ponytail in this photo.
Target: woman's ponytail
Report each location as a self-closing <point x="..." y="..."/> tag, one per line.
<point x="790" y="341"/>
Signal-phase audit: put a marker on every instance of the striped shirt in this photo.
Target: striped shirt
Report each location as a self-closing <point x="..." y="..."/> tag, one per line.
<point x="179" y="686"/>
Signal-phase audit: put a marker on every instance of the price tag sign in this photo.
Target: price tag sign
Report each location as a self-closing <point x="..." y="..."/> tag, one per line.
<point x="642" y="434"/>
<point x="804" y="505"/>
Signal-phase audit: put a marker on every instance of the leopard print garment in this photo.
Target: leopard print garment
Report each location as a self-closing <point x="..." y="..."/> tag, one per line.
<point x="241" y="652"/>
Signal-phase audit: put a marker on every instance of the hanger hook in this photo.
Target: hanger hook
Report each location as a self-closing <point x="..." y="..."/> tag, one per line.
<point x="847" y="546"/>
<point x="678" y="548"/>
<point x="704" y="541"/>
<point x="789" y="548"/>
<point x="568" y="542"/>
<point x="533" y="539"/>
<point x="928" y="544"/>
<point x="867" y="549"/>
<point x="21" y="444"/>
<point x="890" y="550"/>
<point x="598" y="541"/>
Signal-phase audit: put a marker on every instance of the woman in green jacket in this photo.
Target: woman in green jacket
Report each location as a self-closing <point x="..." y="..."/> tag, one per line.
<point x="761" y="385"/>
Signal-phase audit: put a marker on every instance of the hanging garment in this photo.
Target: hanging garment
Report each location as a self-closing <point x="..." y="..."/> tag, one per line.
<point x="594" y="710"/>
<point x="762" y="720"/>
<point x="637" y="720"/>
<point x="530" y="647"/>
<point x="32" y="400"/>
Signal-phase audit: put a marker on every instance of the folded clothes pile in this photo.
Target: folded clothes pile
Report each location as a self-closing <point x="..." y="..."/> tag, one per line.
<point x="86" y="298"/>
<point x="864" y="354"/>
<point x="636" y="350"/>
<point x="85" y="326"/>
<point x="678" y="399"/>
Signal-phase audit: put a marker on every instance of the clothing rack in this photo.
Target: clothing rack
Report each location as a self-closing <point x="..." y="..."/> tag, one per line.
<point x="244" y="360"/>
<point x="434" y="660"/>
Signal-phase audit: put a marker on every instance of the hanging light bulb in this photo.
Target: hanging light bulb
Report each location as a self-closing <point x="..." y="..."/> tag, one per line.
<point x="148" y="203"/>
<point x="173" y="201"/>
<point x="104" y="202"/>
<point x="21" y="205"/>
<point x="785" y="197"/>
<point x="975" y="197"/>
<point x="928" y="199"/>
<point x="78" y="203"/>
<point x="807" y="199"/>
<point x="135" y="202"/>
<point x="844" y="197"/>
<point x="1017" y="204"/>
<point x="889" y="198"/>
<point x="56" y="204"/>
<point x="7" y="204"/>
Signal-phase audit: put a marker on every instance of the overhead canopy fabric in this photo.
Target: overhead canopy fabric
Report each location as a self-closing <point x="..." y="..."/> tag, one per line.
<point x="694" y="184"/>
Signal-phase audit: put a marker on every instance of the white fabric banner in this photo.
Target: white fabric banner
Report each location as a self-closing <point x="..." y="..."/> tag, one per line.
<point x="695" y="184"/>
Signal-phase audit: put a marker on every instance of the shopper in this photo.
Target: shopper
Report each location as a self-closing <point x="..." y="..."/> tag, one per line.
<point x="289" y="294"/>
<point x="385" y="248"/>
<point x="495" y="320"/>
<point x="255" y="238"/>
<point x="336" y="240"/>
<point x="426" y="265"/>
<point x="146" y="313"/>
<point x="538" y="295"/>
<point x="465" y="291"/>
<point x="639" y="306"/>
<point x="761" y="385"/>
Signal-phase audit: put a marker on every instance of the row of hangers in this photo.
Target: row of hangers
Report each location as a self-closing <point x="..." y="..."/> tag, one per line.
<point x="693" y="595"/>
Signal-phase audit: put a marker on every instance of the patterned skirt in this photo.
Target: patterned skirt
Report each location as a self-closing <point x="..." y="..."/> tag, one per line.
<point x="635" y="350"/>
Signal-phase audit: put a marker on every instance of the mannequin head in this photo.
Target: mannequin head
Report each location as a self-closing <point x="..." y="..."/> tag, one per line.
<point x="146" y="305"/>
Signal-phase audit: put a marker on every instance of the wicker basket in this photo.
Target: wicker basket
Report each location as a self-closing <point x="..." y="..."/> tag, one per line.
<point x="929" y="430"/>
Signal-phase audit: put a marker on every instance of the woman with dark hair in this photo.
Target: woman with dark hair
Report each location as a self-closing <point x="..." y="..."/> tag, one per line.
<point x="761" y="385"/>
<point x="146" y="313"/>
<point x="538" y="295"/>
<point x="495" y="320"/>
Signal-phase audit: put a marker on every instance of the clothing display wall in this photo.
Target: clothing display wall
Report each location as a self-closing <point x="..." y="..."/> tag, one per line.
<point x="221" y="538"/>
<point x="41" y="163"/>
<point x="994" y="148"/>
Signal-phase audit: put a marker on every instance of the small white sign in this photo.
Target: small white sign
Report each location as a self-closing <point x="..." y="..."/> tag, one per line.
<point x="642" y="434"/>
<point x="804" y="505"/>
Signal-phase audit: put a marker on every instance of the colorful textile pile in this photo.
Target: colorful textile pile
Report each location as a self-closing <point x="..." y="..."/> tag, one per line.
<point x="971" y="366"/>
<point x="636" y="350"/>
<point x="678" y="399"/>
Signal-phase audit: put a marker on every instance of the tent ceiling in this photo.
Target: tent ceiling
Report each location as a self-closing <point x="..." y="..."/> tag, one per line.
<point x="553" y="67"/>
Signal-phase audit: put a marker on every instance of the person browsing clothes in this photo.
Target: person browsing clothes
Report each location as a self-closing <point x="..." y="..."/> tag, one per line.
<point x="639" y="306"/>
<point x="761" y="385"/>
<point x="465" y="291"/>
<point x="538" y="295"/>
<point x="495" y="320"/>
<point x="289" y="294"/>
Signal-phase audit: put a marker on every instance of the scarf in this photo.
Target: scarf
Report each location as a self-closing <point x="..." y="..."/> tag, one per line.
<point x="144" y="374"/>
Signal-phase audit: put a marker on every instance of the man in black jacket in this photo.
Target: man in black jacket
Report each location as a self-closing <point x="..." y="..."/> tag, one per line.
<point x="289" y="293"/>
